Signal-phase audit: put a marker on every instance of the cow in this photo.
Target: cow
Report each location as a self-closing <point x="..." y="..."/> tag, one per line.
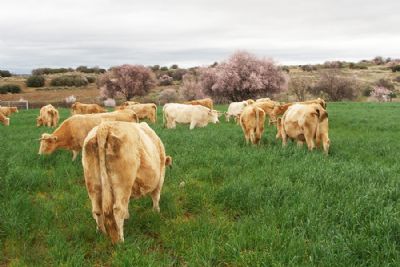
<point x="315" y="101"/>
<point x="252" y="122"/>
<point x="234" y="109"/>
<point x="48" y="116"/>
<point x="72" y="132"/>
<point x="268" y="107"/>
<point x="263" y="99"/>
<point x="206" y="102"/>
<point x="143" y="111"/>
<point x="304" y="123"/>
<point x="79" y="108"/>
<point x="7" y="111"/>
<point x="4" y="120"/>
<point x="121" y="161"/>
<point x="195" y="115"/>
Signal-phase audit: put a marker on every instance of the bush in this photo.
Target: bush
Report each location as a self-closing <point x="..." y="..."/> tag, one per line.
<point x="191" y="88"/>
<point x="91" y="79"/>
<point x="174" y="67"/>
<point x="35" y="81"/>
<point x="164" y="68"/>
<point x="85" y="69"/>
<point x="397" y="79"/>
<point x="385" y="83"/>
<point x="168" y="96"/>
<point x="367" y="91"/>
<point x="10" y="88"/>
<point x="165" y="80"/>
<point x="177" y="75"/>
<point x="360" y="66"/>
<point x="395" y="68"/>
<point x="5" y="73"/>
<point x="155" y="67"/>
<point x="69" y="80"/>
<point x="42" y="71"/>
<point x="308" y="67"/>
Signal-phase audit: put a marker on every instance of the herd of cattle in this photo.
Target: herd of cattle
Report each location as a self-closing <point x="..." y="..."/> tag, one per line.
<point x="123" y="158"/>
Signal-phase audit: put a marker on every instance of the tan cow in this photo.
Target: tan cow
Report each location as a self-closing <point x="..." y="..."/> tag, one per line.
<point x="79" y="108"/>
<point x="48" y="116"/>
<point x="304" y="123"/>
<point x="206" y="102"/>
<point x="122" y="161"/>
<point x="7" y="111"/>
<point x="252" y="122"/>
<point x="4" y="120"/>
<point x="143" y="111"/>
<point x="73" y="131"/>
<point x="268" y="107"/>
<point x="315" y="101"/>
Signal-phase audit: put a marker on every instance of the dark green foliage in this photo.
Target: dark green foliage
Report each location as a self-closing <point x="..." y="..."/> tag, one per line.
<point x="10" y="88"/>
<point x="361" y="66"/>
<point x="69" y="80"/>
<point x="85" y="69"/>
<point x="395" y="68"/>
<point x="5" y="73"/>
<point x="91" y="79"/>
<point x="35" y="81"/>
<point x="174" y="67"/>
<point x="164" y="68"/>
<point x="241" y="205"/>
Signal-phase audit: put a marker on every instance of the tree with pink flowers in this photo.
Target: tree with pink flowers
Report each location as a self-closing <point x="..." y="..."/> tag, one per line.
<point x="241" y="77"/>
<point x="381" y="93"/>
<point x="126" y="80"/>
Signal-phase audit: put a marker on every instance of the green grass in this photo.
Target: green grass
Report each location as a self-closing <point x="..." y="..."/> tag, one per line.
<point x="240" y="206"/>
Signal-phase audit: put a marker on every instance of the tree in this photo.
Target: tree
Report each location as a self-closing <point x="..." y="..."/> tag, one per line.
<point x="165" y="80"/>
<point x="299" y="86"/>
<point x="191" y="88"/>
<point x="126" y="80"/>
<point x="336" y="86"/>
<point x="168" y="96"/>
<point x="381" y="93"/>
<point x="174" y="67"/>
<point x="241" y="77"/>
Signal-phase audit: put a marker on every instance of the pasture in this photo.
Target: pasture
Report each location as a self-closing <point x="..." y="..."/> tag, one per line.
<point x="240" y="205"/>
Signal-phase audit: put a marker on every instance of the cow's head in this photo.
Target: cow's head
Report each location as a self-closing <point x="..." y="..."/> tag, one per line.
<point x="48" y="143"/>
<point x="213" y="116"/>
<point x="14" y="109"/>
<point x="39" y="121"/>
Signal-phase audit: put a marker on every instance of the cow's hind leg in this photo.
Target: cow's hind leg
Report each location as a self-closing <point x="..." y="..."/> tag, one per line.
<point x="192" y="125"/>
<point x="155" y="196"/>
<point x="309" y="134"/>
<point x="74" y="154"/>
<point x="120" y="209"/>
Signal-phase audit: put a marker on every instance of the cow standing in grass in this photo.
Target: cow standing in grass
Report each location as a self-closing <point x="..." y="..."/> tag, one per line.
<point x="73" y="131"/>
<point x="48" y="116"/>
<point x="7" y="111"/>
<point x="120" y="161"/>
<point x="79" y="108"/>
<point x="305" y="123"/>
<point x="252" y="122"/>
<point x="195" y="115"/>
<point x="143" y="111"/>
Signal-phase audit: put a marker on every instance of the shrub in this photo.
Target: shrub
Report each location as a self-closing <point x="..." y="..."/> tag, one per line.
<point x="10" y="88"/>
<point x="241" y="77"/>
<point x="168" y="96"/>
<point x="379" y="60"/>
<point x="361" y="66"/>
<point x="308" y="67"/>
<point x="177" y="75"/>
<point x="381" y="93"/>
<point x="174" y="67"/>
<point x="191" y="88"/>
<point x="5" y="73"/>
<point x="35" y="81"/>
<point x="126" y="80"/>
<point x="42" y="71"/>
<point x="155" y="67"/>
<point x="367" y="91"/>
<point x="397" y="79"/>
<point x="299" y="86"/>
<point x="385" y="83"/>
<point x="85" y="69"/>
<point x="164" y="68"/>
<point x="91" y="79"/>
<point x="333" y="64"/>
<point x="69" y="80"/>
<point x="395" y="68"/>
<point x="165" y="80"/>
<point x="335" y="86"/>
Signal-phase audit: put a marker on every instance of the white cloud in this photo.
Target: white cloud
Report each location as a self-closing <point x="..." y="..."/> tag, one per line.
<point x="188" y="32"/>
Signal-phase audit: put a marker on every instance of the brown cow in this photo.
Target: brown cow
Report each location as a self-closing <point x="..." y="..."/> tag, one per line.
<point x="122" y="161"/>
<point x="252" y="121"/>
<point x="7" y="111"/>
<point x="143" y="111"/>
<point x="305" y="122"/>
<point x="268" y="107"/>
<point x="4" y="120"/>
<point x="72" y="132"/>
<point x="79" y="108"/>
<point x="48" y="116"/>
<point x="315" y="101"/>
<point x="206" y="102"/>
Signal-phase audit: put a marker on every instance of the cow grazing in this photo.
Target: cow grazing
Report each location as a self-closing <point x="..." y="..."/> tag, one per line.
<point x="304" y="123"/>
<point x="120" y="161"/>
<point x="252" y="122"/>
<point x="279" y="110"/>
<point x="143" y="111"/>
<point x="4" y="120"/>
<point x="73" y="131"/>
<point x="196" y="115"/>
<point x="206" y="102"/>
<point x="235" y="108"/>
<point x="268" y="107"/>
<point x="79" y="108"/>
<point x="48" y="116"/>
<point x="7" y="111"/>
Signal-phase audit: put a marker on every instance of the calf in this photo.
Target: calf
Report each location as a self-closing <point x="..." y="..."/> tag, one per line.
<point x="120" y="161"/>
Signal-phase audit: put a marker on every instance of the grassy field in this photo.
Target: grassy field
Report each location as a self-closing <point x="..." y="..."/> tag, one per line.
<point x="240" y="206"/>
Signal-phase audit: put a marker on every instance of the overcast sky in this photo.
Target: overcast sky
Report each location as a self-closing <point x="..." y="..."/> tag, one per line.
<point x="61" y="33"/>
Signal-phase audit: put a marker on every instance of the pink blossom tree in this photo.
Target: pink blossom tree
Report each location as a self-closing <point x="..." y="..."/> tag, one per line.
<point x="381" y="93"/>
<point x="241" y="77"/>
<point x="126" y="80"/>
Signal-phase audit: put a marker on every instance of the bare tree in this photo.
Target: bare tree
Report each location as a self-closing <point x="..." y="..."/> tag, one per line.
<point x="126" y="80"/>
<point x="299" y="86"/>
<point x="191" y="88"/>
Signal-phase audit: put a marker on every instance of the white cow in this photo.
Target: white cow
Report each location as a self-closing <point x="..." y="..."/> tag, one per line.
<point x="197" y="116"/>
<point x="234" y="109"/>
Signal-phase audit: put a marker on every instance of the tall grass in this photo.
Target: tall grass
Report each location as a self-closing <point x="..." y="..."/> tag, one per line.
<point x="240" y="205"/>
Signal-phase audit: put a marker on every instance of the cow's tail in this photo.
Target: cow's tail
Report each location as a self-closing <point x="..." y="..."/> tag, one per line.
<point x="107" y="193"/>
<point x="322" y="117"/>
<point x="257" y="110"/>
<point x="164" y="119"/>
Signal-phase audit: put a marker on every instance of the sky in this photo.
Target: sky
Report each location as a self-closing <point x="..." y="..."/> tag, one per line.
<point x="60" y="33"/>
